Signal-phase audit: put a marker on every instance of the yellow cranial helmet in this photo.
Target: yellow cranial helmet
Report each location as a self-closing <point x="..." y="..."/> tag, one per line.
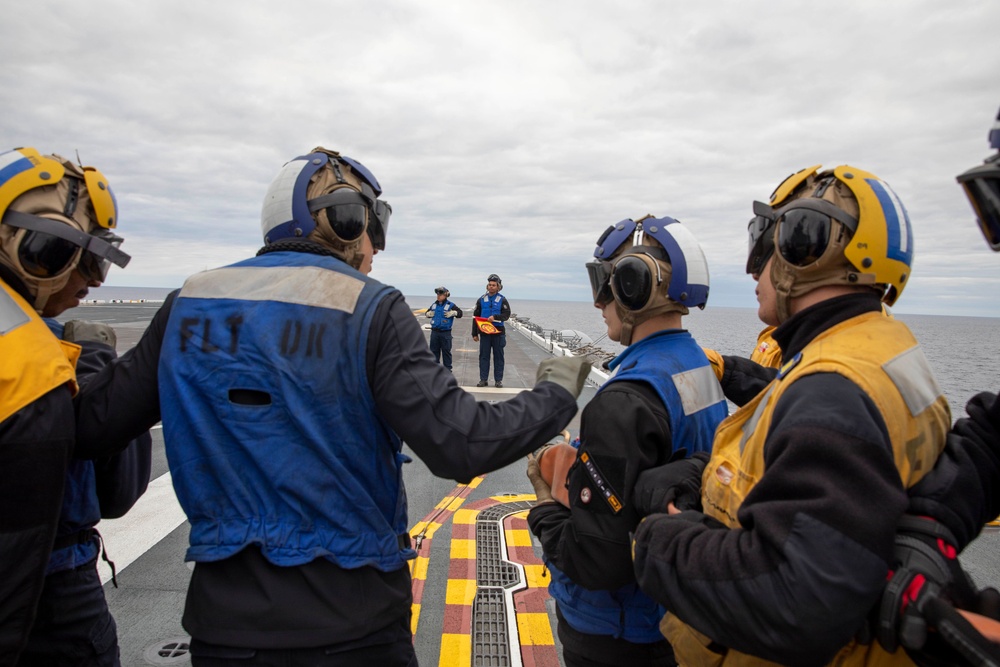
<point x="843" y="226"/>
<point x="55" y="216"/>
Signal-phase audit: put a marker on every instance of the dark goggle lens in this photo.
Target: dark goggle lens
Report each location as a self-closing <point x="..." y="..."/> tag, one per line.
<point x="93" y="267"/>
<point x="803" y="236"/>
<point x="378" y="229"/>
<point x="43" y="255"/>
<point x="600" y="281"/>
<point x="761" y="243"/>
<point x="347" y="220"/>
<point x="984" y="195"/>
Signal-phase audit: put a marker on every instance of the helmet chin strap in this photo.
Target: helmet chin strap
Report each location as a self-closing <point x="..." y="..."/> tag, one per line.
<point x="631" y="319"/>
<point x="44" y="289"/>
<point x="783" y="280"/>
<point x="628" y="323"/>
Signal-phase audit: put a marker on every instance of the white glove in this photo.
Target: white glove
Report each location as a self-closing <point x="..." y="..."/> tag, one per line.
<point x="77" y="331"/>
<point x="570" y="373"/>
<point x="451" y="313"/>
<point x="428" y="313"/>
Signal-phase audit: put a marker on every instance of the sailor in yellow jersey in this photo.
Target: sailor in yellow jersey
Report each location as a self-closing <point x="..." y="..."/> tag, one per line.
<point x="52" y="212"/>
<point x="808" y="480"/>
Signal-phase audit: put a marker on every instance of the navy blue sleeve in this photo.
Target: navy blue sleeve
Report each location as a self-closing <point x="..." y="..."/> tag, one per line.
<point x="504" y="310"/>
<point x="37" y="442"/>
<point x="122" y="400"/>
<point x="123" y="477"/>
<point x="743" y="379"/>
<point x="625" y="430"/>
<point x="455" y="435"/>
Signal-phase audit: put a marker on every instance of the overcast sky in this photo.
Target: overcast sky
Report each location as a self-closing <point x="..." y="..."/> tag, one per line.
<point x="509" y="135"/>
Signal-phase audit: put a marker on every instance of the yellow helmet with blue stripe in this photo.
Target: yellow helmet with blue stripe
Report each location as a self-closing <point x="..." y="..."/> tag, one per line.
<point x="882" y="244"/>
<point x="843" y="226"/>
<point x="55" y="216"/>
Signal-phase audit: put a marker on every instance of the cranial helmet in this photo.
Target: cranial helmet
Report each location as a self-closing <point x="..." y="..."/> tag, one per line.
<point x="494" y="278"/>
<point x="329" y="198"/>
<point x="55" y="216"/>
<point x="843" y="226"/>
<point x="648" y="267"/>
<point x="982" y="187"/>
<point x="442" y="290"/>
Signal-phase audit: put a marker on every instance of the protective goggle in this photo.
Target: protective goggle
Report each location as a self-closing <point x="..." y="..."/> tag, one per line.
<point x="760" y="231"/>
<point x="48" y="248"/>
<point x="599" y="273"/>
<point x="628" y="278"/>
<point x="351" y="212"/>
<point x="982" y="187"/>
<point x="804" y="229"/>
<point x="689" y="270"/>
<point x="93" y="267"/>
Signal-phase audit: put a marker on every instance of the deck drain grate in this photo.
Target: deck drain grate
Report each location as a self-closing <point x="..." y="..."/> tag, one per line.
<point x="496" y="579"/>
<point x="173" y="651"/>
<point x="492" y="568"/>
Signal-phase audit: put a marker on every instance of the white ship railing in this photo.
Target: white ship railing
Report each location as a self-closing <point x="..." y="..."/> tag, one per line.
<point x="596" y="378"/>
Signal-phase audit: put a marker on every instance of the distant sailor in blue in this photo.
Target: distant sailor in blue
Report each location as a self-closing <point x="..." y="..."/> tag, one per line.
<point x="491" y="311"/>
<point x="442" y="314"/>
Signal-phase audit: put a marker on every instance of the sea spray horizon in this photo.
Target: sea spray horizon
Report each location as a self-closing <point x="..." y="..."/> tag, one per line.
<point x="961" y="350"/>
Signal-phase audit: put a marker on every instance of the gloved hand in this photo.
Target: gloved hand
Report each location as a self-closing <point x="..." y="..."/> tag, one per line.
<point x="428" y="313"/>
<point x="926" y="569"/>
<point x="451" y="313"/>
<point x="543" y="492"/>
<point x="677" y="481"/>
<point x="570" y="373"/>
<point x="982" y="426"/>
<point x="78" y="331"/>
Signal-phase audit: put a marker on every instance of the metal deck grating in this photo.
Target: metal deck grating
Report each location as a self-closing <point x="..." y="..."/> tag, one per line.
<point x="494" y="628"/>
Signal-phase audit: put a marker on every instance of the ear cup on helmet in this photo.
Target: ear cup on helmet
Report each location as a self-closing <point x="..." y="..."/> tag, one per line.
<point x="632" y="282"/>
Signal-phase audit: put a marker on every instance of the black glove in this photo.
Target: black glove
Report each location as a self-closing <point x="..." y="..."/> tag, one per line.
<point x="926" y="568"/>
<point x="982" y="428"/>
<point x="963" y="489"/>
<point x="677" y="481"/>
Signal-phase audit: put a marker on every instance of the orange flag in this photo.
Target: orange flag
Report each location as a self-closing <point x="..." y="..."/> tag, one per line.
<point x="485" y="325"/>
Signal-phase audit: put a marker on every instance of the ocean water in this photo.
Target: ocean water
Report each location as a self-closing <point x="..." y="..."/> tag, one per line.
<point x="962" y="351"/>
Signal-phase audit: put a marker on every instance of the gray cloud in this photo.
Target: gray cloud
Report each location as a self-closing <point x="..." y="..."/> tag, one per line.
<point x="508" y="136"/>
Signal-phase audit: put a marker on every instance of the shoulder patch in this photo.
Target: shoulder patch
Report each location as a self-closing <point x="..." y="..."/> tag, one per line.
<point x="789" y="365"/>
<point x="609" y="494"/>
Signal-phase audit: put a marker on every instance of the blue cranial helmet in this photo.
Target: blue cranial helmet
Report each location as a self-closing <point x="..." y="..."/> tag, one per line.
<point x="328" y="189"/>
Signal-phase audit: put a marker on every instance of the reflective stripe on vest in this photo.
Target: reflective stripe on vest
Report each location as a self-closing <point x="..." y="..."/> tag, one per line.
<point x="491" y="306"/>
<point x="271" y="430"/>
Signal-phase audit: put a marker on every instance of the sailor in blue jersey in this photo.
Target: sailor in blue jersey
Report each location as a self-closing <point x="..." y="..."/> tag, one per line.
<point x="287" y="386"/>
<point x="492" y="306"/>
<point x="442" y="314"/>
<point x="661" y="402"/>
<point x="55" y="240"/>
<point x="73" y="616"/>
